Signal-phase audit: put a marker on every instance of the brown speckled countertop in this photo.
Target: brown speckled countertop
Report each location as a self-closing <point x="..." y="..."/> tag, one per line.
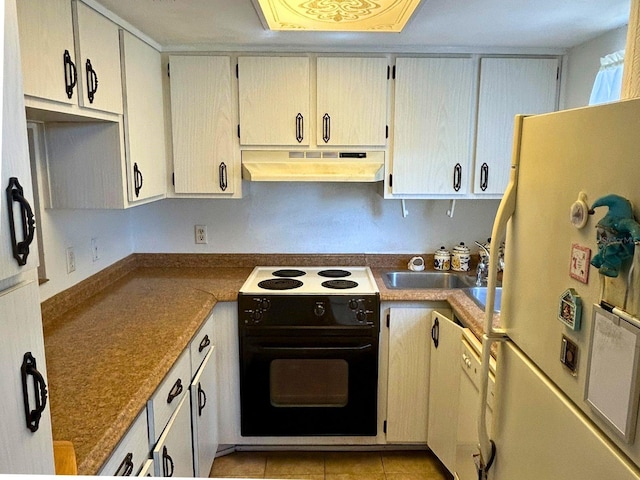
<point x="111" y="339"/>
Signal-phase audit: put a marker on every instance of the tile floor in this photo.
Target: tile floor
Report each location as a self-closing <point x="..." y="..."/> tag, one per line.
<point x="386" y="465"/>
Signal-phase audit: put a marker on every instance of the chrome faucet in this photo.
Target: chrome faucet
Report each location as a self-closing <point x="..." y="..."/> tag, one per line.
<point x="482" y="270"/>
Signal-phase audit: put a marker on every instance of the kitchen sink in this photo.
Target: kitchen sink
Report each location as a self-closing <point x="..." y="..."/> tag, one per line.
<point x="479" y="295"/>
<point x="430" y="279"/>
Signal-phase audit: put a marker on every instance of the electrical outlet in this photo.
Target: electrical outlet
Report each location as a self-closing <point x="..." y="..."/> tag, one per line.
<point x="95" y="250"/>
<point x="201" y="234"/>
<point x="71" y="260"/>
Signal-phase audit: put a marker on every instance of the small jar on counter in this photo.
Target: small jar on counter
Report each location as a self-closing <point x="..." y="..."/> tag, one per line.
<point x="460" y="258"/>
<point x="442" y="259"/>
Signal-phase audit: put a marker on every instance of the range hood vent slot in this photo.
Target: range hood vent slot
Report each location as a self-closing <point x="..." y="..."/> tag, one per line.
<point x="312" y="166"/>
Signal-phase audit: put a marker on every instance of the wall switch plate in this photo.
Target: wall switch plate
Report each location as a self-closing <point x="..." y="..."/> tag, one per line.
<point x="71" y="260"/>
<point x="201" y="234"/>
<point x="95" y="250"/>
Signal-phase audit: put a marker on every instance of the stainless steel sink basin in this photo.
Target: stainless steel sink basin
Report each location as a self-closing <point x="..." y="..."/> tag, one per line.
<point x="430" y="279"/>
<point x="479" y="295"/>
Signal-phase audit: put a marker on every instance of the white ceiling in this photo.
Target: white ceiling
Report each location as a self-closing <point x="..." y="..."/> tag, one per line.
<point x="437" y="24"/>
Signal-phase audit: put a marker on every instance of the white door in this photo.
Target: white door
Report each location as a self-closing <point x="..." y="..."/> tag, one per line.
<point x="26" y="444"/>
<point x="173" y="454"/>
<point x="274" y="100"/>
<point x="204" y="415"/>
<point x="432" y="125"/>
<point x="508" y="86"/>
<point x="98" y="54"/>
<point x="46" y="40"/>
<point x="143" y="119"/>
<point x="408" y="383"/>
<point x="444" y="382"/>
<point x="352" y="101"/>
<point x="539" y="433"/>
<point x="205" y="153"/>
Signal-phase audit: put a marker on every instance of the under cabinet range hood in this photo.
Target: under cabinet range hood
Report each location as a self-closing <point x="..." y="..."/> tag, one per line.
<point x="312" y="166"/>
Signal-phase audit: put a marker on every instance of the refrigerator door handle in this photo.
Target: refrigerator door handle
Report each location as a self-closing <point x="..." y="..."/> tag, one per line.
<point x="491" y="335"/>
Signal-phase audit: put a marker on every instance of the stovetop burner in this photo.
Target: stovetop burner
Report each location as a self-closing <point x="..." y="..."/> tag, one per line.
<point x="340" y="284"/>
<point x="334" y="273"/>
<point x="280" y="284"/>
<point x="289" y="272"/>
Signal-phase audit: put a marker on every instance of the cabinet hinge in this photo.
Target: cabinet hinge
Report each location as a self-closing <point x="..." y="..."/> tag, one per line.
<point x="173" y="179"/>
<point x="237" y="71"/>
<point x="384" y="426"/>
<point x="393" y="75"/>
<point x="238" y="130"/>
<point x="169" y="70"/>
<point x="388" y="72"/>
<point x="558" y="73"/>
<point x="386" y="132"/>
<point x="391" y="179"/>
<point x="388" y="319"/>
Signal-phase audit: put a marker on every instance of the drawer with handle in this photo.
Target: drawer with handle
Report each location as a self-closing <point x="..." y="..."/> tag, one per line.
<point x="201" y="344"/>
<point x="132" y="451"/>
<point x="166" y="398"/>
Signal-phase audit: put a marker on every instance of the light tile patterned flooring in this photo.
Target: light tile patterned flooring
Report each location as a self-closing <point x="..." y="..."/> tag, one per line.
<point x="386" y="465"/>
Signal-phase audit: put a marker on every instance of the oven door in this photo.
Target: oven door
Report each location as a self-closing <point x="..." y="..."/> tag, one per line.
<point x="316" y="385"/>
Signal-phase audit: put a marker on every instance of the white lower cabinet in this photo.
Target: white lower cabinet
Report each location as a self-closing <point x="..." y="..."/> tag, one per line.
<point x="147" y="469"/>
<point x="173" y="454"/>
<point x="444" y="383"/>
<point x="204" y="415"/>
<point x="132" y="452"/>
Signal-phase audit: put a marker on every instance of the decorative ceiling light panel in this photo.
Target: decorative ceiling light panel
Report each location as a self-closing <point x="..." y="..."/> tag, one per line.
<point x="338" y="15"/>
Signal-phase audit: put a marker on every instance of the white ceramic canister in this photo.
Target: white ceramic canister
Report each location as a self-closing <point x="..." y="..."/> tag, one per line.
<point x="442" y="259"/>
<point x="460" y="258"/>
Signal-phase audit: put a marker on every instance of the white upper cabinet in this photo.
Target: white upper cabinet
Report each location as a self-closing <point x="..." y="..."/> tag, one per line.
<point x="352" y="101"/>
<point x="508" y="86"/>
<point x="144" y="135"/>
<point x="432" y="126"/>
<point x="98" y="60"/>
<point x="55" y="68"/>
<point x="274" y="100"/>
<point x="48" y="54"/>
<point x="206" y="156"/>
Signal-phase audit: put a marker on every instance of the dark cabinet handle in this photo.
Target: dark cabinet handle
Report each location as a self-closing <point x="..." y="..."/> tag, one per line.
<point x="137" y="179"/>
<point x="28" y="369"/>
<point x="457" y="177"/>
<point x="204" y="343"/>
<point x="70" y="73"/>
<point x="175" y="391"/>
<point x="435" y="332"/>
<point x="15" y="193"/>
<point x="299" y="128"/>
<point x="484" y="176"/>
<point x="326" y="128"/>
<point x="222" y="174"/>
<point x="167" y="463"/>
<point x="202" y="399"/>
<point x="126" y="467"/>
<point x="92" y="81"/>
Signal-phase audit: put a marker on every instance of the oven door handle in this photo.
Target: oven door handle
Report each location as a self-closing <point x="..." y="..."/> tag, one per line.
<point x="317" y="349"/>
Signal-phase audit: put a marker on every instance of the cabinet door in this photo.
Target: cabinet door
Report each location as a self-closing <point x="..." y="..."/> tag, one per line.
<point x="444" y="382"/>
<point x="132" y="451"/>
<point x="21" y="450"/>
<point x="205" y="155"/>
<point x="204" y="415"/>
<point x="408" y="384"/>
<point x="46" y="39"/>
<point x="98" y="55"/>
<point x="432" y="125"/>
<point x="508" y="86"/>
<point x="172" y="455"/>
<point x="274" y="100"/>
<point x="352" y="101"/>
<point x="14" y="162"/>
<point x="143" y="119"/>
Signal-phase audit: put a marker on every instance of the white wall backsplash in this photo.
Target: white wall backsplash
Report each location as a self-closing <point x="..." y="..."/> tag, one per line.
<point x="309" y="218"/>
<point x="583" y="63"/>
<point x="76" y="228"/>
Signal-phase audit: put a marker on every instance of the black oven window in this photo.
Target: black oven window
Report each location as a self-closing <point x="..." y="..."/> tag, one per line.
<point x="309" y="383"/>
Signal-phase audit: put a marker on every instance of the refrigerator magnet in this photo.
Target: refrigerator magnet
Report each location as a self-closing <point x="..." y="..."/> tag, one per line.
<point x="579" y="267"/>
<point x="570" y="309"/>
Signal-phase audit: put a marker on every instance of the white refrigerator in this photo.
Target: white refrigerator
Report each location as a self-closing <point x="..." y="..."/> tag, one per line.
<point x="566" y="392"/>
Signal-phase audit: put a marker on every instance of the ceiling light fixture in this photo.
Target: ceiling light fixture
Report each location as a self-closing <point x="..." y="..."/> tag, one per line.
<point x="336" y="15"/>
